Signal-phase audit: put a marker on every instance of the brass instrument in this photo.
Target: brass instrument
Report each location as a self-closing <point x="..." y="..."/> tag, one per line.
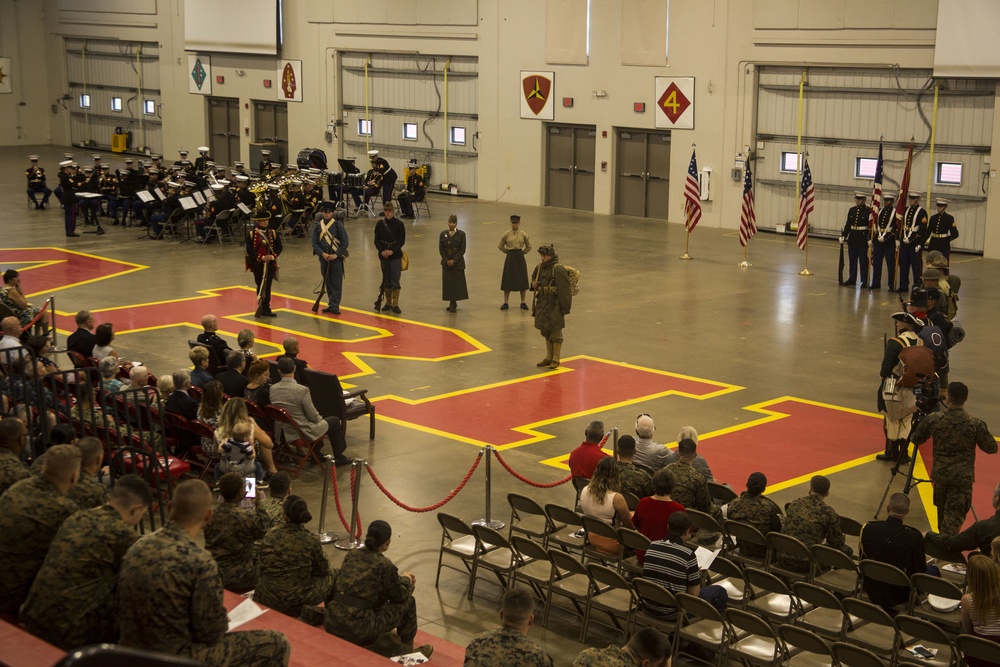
<point x="258" y="189"/>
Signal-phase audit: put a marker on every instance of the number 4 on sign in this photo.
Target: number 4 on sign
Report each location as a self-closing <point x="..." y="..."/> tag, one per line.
<point x="671" y="105"/>
<point x="675" y="102"/>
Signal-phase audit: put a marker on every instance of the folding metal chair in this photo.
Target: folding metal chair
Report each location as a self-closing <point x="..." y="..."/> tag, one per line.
<point x="873" y="570"/>
<point x="870" y="627"/>
<point x="779" y="543"/>
<point x="720" y="493"/>
<point x="647" y="591"/>
<point x="532" y="564"/>
<point x="570" y="580"/>
<point x="739" y="533"/>
<point x="457" y="540"/>
<point x="970" y="646"/>
<point x="803" y="648"/>
<point x="726" y="573"/>
<point x="925" y="585"/>
<point x="915" y="631"/>
<point x="770" y="596"/>
<point x="701" y="624"/>
<point x="835" y="571"/>
<point x="281" y="416"/>
<point x="849" y="655"/>
<point x="632" y="541"/>
<point x="610" y="593"/>
<point x="569" y="538"/>
<point x="759" y="644"/>
<point x="493" y="553"/>
<point x="528" y="518"/>
<point x="597" y="527"/>
<point x="826" y="618"/>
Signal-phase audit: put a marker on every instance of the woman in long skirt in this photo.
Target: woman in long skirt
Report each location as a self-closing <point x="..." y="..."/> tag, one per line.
<point x="452" y="249"/>
<point x="515" y="245"/>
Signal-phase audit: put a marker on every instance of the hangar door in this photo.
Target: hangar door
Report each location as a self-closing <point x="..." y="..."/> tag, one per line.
<point x="845" y="112"/>
<point x="114" y="84"/>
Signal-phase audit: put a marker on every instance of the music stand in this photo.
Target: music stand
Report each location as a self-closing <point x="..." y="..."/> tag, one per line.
<point x="349" y="167"/>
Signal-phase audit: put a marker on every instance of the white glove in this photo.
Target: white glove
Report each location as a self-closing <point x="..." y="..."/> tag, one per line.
<point x="841" y="239"/>
<point x="897" y="243"/>
<point x="869" y="244"/>
<point x="917" y="248"/>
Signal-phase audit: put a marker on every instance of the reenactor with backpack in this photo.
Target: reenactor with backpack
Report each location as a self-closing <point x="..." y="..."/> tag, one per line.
<point x="906" y="363"/>
<point x="551" y="304"/>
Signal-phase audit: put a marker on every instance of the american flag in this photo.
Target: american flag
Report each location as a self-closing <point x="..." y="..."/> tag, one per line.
<point x="877" y="192"/>
<point x="692" y="196"/>
<point x="748" y="219"/>
<point x="807" y="202"/>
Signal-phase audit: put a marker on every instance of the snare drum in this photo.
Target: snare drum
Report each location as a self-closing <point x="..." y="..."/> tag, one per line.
<point x="335" y="177"/>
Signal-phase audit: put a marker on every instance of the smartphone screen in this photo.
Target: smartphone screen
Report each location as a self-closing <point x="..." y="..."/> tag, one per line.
<point x="251" y="486"/>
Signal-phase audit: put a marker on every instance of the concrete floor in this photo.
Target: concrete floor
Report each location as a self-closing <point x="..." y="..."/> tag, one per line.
<point x="765" y="328"/>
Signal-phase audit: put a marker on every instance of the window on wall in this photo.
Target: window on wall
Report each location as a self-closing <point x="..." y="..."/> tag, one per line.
<point x="84" y="101"/>
<point x="864" y="167"/>
<point x="458" y="136"/>
<point x="949" y="173"/>
<point x="789" y="162"/>
<point x="116" y="104"/>
<point x="364" y="127"/>
<point x="410" y="131"/>
<point x="149" y="107"/>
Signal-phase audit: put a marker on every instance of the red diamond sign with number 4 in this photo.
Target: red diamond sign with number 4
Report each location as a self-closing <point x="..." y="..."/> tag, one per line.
<point x="673" y="102"/>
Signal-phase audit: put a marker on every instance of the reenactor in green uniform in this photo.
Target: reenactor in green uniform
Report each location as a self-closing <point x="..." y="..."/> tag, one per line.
<point x="72" y="601"/>
<point x="646" y="647"/>
<point x="13" y="440"/>
<point x="371" y="598"/>
<point x="552" y="303"/>
<point x="509" y="645"/>
<point x="812" y="521"/>
<point x="170" y="596"/>
<point x="635" y="480"/>
<point x="294" y="570"/>
<point x="956" y="435"/>
<point x="31" y="512"/>
<point x="232" y="533"/>
<point x="756" y="509"/>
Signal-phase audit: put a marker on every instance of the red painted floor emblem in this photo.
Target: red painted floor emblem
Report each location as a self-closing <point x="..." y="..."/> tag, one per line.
<point x="45" y="270"/>
<point x="583" y="385"/>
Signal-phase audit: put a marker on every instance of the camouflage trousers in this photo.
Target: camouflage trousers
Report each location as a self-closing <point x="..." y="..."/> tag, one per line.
<point x="366" y="627"/>
<point x="254" y="648"/>
<point x="953" y="502"/>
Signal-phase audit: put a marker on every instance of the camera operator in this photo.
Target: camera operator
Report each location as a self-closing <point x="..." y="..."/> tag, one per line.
<point x="956" y="435"/>
<point x="896" y="396"/>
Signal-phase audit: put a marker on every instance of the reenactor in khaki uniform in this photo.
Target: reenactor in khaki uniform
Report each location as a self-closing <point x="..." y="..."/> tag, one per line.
<point x="294" y="570"/>
<point x="72" y="601"/>
<point x="170" y="596"/>
<point x="232" y="533"/>
<point x="812" y="521"/>
<point x="756" y="509"/>
<point x="31" y="512"/>
<point x="13" y="440"/>
<point x="371" y="598"/>
<point x="956" y="435"/>
<point x="552" y="303"/>
<point x="635" y="480"/>
<point x="509" y="645"/>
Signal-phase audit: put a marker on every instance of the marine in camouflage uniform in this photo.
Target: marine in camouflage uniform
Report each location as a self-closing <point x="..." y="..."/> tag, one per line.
<point x="12" y="469"/>
<point x="170" y="599"/>
<point x="811" y="521"/>
<point x="760" y="512"/>
<point x="72" y="601"/>
<point x="30" y="514"/>
<point x="612" y="656"/>
<point x="273" y="508"/>
<point x="371" y="599"/>
<point x="691" y="488"/>
<point x="635" y="480"/>
<point x="88" y="492"/>
<point x="294" y="570"/>
<point x="231" y="535"/>
<point x="553" y="300"/>
<point x="956" y="435"/>
<point x="505" y="646"/>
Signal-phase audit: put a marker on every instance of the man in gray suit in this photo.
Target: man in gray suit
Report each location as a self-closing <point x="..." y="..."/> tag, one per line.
<point x="295" y="399"/>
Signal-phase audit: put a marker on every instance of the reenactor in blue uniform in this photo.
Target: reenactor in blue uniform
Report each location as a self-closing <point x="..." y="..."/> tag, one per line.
<point x="329" y="243"/>
<point x="857" y="234"/>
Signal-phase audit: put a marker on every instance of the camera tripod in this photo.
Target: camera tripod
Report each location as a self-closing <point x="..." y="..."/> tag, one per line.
<point x="911" y="481"/>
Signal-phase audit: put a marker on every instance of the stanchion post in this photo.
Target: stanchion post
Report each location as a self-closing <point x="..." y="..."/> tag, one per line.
<point x="488" y="520"/>
<point x="325" y="537"/>
<point x="614" y="441"/>
<point x="349" y="541"/>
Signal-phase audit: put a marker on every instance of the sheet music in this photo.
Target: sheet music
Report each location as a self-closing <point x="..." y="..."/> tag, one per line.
<point x="159" y="194"/>
<point x="243" y="207"/>
<point x="187" y="203"/>
<point x="145" y="196"/>
<point x="198" y="197"/>
<point x="209" y="195"/>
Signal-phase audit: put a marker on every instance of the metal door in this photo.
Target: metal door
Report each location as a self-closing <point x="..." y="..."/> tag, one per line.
<point x="224" y="129"/>
<point x="271" y="124"/>
<point x="643" y="185"/>
<point x="571" y="150"/>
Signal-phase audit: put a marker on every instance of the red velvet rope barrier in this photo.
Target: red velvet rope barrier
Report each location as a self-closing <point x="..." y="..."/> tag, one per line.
<point x="524" y="479"/>
<point x="357" y="515"/>
<point x="336" y="498"/>
<point x="36" y="318"/>
<point x="435" y="506"/>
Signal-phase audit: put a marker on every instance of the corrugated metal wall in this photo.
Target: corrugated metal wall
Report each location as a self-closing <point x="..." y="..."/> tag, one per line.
<point x="106" y="69"/>
<point x="410" y="89"/>
<point x="845" y="112"/>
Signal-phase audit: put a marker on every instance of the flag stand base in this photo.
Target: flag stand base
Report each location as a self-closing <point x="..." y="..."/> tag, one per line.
<point x="805" y="272"/>
<point x="745" y="264"/>
<point x="685" y="256"/>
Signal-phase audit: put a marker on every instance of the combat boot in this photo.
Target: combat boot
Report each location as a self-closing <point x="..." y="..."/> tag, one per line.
<point x="902" y="447"/>
<point x="395" y="302"/>
<point x="556" y="351"/>
<point x="888" y="454"/>
<point x="548" y="355"/>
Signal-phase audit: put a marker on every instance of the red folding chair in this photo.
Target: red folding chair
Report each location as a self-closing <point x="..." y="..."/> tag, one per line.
<point x="281" y="416"/>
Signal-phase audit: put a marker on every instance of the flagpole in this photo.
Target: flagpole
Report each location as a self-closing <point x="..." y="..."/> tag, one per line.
<point x="687" y="221"/>
<point x="798" y="173"/>
<point x="687" y="241"/>
<point x="745" y="264"/>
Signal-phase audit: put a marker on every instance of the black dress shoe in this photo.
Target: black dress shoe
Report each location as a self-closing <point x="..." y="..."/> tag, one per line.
<point x="73" y="235"/>
<point x="269" y="313"/>
<point x="846" y="284"/>
<point x="524" y="306"/>
<point x="396" y="310"/>
<point x="342" y="461"/>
